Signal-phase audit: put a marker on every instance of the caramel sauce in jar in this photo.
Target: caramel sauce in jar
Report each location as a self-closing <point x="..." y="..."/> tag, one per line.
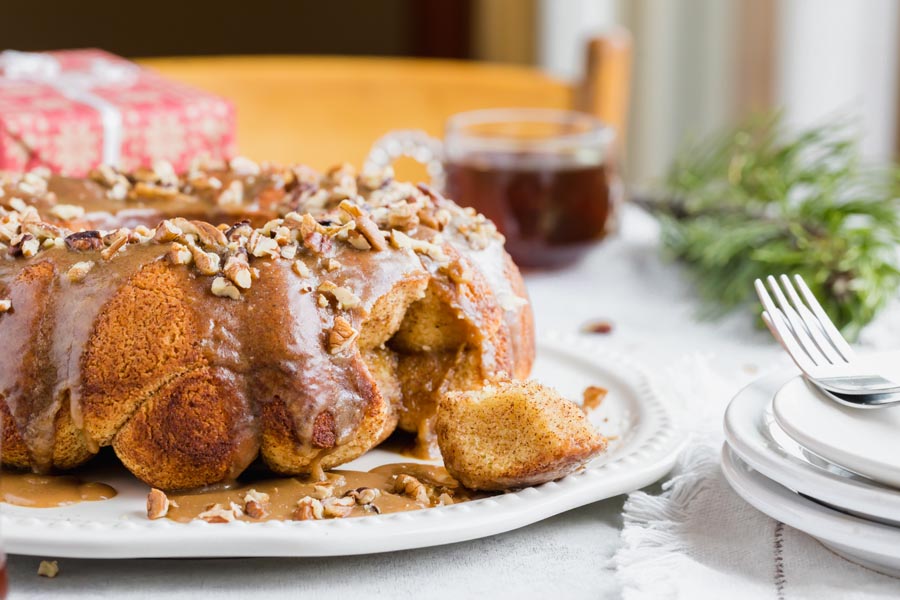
<point x="550" y="215"/>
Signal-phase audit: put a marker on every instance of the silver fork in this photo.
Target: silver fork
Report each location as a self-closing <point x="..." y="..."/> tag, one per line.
<point x="816" y="346"/>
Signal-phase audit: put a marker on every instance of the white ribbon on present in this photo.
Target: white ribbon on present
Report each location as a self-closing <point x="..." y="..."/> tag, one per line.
<point x="78" y="86"/>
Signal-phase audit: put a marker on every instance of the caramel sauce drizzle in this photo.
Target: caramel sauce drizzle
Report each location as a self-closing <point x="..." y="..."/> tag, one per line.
<point x="49" y="491"/>
<point x="284" y="493"/>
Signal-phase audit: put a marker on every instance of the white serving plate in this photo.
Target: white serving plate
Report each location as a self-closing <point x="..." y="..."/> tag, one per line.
<point x="867" y="543"/>
<point x="753" y="434"/>
<point x="645" y="450"/>
<point x="865" y="441"/>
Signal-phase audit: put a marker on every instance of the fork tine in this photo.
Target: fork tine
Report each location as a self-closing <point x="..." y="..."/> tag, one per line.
<point x="811" y="323"/>
<point x="797" y="325"/>
<point x="799" y="356"/>
<point x="781" y="328"/>
<point x="834" y="336"/>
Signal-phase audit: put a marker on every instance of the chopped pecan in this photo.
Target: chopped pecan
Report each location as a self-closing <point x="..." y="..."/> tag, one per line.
<point x="260" y="245"/>
<point x="338" y="508"/>
<point x="323" y="489"/>
<point x="364" y="495"/>
<point x="41" y="230"/>
<point x="221" y="514"/>
<point x="207" y="262"/>
<point x="342" y="336"/>
<point x="317" y="242"/>
<point x="358" y="240"/>
<point x="411" y="487"/>
<point x="48" y="568"/>
<point x="209" y="235"/>
<point x="5" y="305"/>
<point x="346" y="299"/>
<point x="237" y="269"/>
<point x="256" y="504"/>
<point x="157" y="504"/>
<point x="153" y="191"/>
<point x="223" y="288"/>
<point x="115" y="245"/>
<point x="239" y="230"/>
<point x="24" y="245"/>
<point x="402" y="241"/>
<point x="84" y="241"/>
<point x="289" y="252"/>
<point x="233" y="195"/>
<point x="79" y="271"/>
<point x="67" y="212"/>
<point x="365" y="225"/>
<point x="241" y="165"/>
<point x="308" y="509"/>
<point x="179" y="254"/>
<point x="300" y="268"/>
<point x="167" y="231"/>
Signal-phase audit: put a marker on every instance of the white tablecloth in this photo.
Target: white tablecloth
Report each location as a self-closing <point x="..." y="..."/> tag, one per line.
<point x="654" y="315"/>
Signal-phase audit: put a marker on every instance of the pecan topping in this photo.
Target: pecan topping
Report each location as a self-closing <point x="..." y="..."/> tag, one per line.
<point x="179" y="254"/>
<point x="363" y="495"/>
<point x="79" y="271"/>
<point x="256" y="504"/>
<point x="260" y="245"/>
<point x="167" y="231"/>
<point x="220" y="514"/>
<point x="289" y="252"/>
<point x="300" y="268"/>
<point x="157" y="504"/>
<point x="84" y="241"/>
<point x="209" y="235"/>
<point x="239" y="230"/>
<point x="323" y="489"/>
<point x="364" y="225"/>
<point x="346" y="299"/>
<point x="233" y="195"/>
<point x="207" y="262"/>
<point x="308" y="509"/>
<point x="411" y="487"/>
<point x="225" y="289"/>
<point x="241" y="165"/>
<point x="342" y="336"/>
<point x="48" y="568"/>
<point x="25" y="245"/>
<point x="338" y="508"/>
<point x="115" y="245"/>
<point x="67" y="212"/>
<point x="5" y="305"/>
<point x="238" y="270"/>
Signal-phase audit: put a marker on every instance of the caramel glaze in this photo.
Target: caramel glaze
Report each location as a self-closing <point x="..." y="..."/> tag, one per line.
<point x="285" y="492"/>
<point x="48" y="491"/>
<point x="268" y="346"/>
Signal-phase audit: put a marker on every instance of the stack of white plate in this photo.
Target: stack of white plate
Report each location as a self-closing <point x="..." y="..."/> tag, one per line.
<point x="825" y="469"/>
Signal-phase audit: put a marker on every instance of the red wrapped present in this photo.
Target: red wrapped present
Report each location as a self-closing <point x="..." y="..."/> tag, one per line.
<point x="74" y="109"/>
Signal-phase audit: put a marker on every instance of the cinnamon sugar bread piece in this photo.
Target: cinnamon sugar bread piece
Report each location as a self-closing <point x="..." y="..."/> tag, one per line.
<point x="513" y="434"/>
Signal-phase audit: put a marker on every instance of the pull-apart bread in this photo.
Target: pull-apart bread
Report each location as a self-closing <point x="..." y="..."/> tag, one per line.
<point x="195" y="322"/>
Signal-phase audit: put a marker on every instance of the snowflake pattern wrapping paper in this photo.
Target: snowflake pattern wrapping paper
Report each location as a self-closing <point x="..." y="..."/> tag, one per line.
<point x="43" y="122"/>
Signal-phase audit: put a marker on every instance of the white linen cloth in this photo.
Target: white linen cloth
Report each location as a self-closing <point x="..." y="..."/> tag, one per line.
<point x="696" y="539"/>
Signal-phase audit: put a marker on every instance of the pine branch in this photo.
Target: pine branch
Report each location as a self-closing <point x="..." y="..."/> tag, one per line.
<point x="759" y="201"/>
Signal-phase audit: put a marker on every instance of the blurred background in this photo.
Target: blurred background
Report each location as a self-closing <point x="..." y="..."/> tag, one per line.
<point x="697" y="66"/>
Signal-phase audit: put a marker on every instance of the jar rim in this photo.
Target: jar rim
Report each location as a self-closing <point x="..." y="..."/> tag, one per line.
<point x="596" y="133"/>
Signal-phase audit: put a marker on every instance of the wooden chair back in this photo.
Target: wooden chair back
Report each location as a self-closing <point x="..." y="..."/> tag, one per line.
<point x="326" y="110"/>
